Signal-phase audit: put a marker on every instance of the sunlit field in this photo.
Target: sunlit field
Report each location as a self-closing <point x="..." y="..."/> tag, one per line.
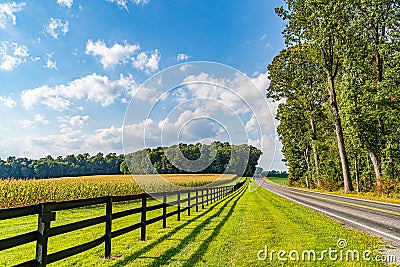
<point x="20" y="192"/>
<point x="174" y="178"/>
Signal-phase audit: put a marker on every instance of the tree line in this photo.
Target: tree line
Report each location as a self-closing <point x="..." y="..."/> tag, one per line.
<point x="217" y="157"/>
<point x="339" y="81"/>
<point x="71" y="165"/>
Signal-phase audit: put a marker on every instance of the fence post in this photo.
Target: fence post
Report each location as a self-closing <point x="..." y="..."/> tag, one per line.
<point x="45" y="217"/>
<point x="202" y="198"/>
<point x="107" y="237"/>
<point x="207" y="190"/>
<point x="143" y="221"/>
<point x="188" y="203"/>
<point x="179" y="205"/>
<point x="165" y="210"/>
<point x="197" y="200"/>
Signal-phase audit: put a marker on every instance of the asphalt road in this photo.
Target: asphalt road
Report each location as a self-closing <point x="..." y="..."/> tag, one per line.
<point x="380" y="218"/>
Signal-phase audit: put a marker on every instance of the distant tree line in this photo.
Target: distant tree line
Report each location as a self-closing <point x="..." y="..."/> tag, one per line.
<point x="85" y="164"/>
<point x="217" y="157"/>
<point x="71" y="165"/>
<point x="339" y="81"/>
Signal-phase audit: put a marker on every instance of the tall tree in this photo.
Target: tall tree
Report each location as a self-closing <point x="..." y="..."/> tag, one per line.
<point x="322" y="24"/>
<point x="370" y="82"/>
<point x="296" y="76"/>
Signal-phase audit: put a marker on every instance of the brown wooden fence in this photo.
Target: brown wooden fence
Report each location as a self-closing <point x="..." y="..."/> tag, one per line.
<point x="46" y="212"/>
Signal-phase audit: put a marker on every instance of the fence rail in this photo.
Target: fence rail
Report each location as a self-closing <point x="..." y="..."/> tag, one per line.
<point x="46" y="212"/>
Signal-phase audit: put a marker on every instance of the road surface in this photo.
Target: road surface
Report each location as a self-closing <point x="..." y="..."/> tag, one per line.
<point x="380" y="218"/>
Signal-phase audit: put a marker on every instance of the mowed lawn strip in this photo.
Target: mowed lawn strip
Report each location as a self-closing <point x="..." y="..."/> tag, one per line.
<point x="394" y="197"/>
<point x="227" y="233"/>
<point x="263" y="219"/>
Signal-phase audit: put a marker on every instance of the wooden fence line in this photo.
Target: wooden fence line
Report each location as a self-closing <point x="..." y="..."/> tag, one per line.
<point x="47" y="214"/>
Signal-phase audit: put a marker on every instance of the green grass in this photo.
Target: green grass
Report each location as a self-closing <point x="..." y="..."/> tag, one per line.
<point x="227" y="233"/>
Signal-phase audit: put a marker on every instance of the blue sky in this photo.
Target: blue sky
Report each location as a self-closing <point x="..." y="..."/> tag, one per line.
<point x="69" y="68"/>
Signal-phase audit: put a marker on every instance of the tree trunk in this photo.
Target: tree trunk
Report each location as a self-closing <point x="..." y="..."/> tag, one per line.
<point x="377" y="169"/>
<point x="357" y="173"/>
<point x="316" y="164"/>
<point x="339" y="134"/>
<point x="315" y="151"/>
<point x="308" y="168"/>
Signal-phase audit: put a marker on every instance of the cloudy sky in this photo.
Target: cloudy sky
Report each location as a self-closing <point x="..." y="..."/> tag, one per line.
<point x="69" y="70"/>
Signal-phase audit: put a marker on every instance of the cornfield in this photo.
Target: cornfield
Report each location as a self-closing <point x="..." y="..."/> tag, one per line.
<point x="18" y="192"/>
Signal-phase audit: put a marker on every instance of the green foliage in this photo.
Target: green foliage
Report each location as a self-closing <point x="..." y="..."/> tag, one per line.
<point x="71" y="165"/>
<point x="217" y="157"/>
<point x="351" y="48"/>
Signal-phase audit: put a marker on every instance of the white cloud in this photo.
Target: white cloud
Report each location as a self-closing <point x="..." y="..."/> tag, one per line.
<point x="64" y="128"/>
<point x="8" y="101"/>
<point x="189" y="126"/>
<point x="182" y="56"/>
<point x="79" y="120"/>
<point x="67" y="3"/>
<point x="145" y="93"/>
<point x="27" y="123"/>
<point x="185" y="67"/>
<point x="124" y="3"/>
<point x="44" y="95"/>
<point x="94" y="88"/>
<point x="119" y="54"/>
<point x="7" y="11"/>
<point x="57" y="27"/>
<point x="12" y="55"/>
<point x="40" y="118"/>
<point x="67" y="141"/>
<point x="106" y="137"/>
<point x="109" y="57"/>
<point x="51" y="65"/>
<point x="37" y="119"/>
<point x="147" y="61"/>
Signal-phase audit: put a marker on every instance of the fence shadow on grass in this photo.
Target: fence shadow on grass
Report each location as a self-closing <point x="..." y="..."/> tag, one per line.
<point x="199" y="253"/>
<point x="173" y="251"/>
<point x="163" y="259"/>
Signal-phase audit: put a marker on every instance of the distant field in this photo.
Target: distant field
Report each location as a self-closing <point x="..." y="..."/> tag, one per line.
<point x="26" y="192"/>
<point x="278" y="180"/>
<point x="174" y="178"/>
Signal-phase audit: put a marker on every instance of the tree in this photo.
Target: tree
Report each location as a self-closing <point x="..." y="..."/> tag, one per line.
<point x="371" y="104"/>
<point x="296" y="77"/>
<point x="322" y="24"/>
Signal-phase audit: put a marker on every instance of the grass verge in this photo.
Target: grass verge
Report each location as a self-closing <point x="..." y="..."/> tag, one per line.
<point x="395" y="199"/>
<point x="230" y="232"/>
